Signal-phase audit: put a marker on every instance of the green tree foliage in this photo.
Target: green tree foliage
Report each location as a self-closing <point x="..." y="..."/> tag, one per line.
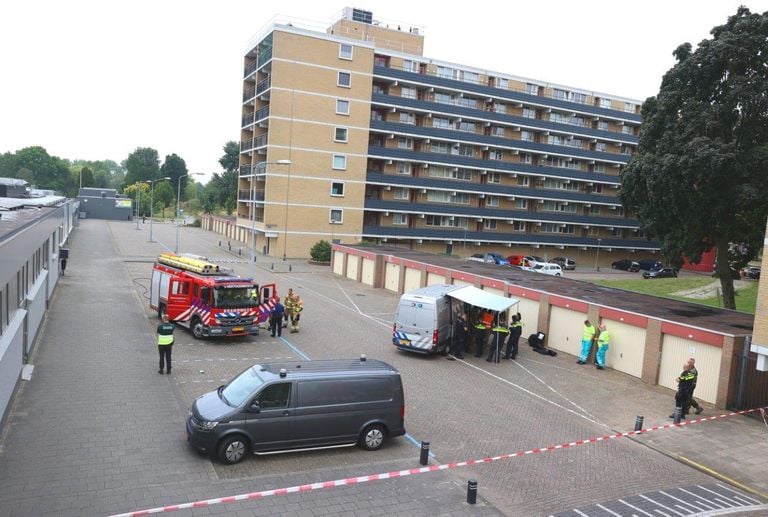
<point x="698" y="179"/>
<point x="230" y="162"/>
<point x="165" y="195"/>
<point x="142" y="164"/>
<point x="321" y="251"/>
<point x="133" y="190"/>
<point x="39" y="169"/>
<point x="175" y="168"/>
<point x="87" y="177"/>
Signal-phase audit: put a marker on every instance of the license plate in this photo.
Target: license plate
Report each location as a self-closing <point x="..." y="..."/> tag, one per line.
<point x="405" y="342"/>
<point x="238" y="329"/>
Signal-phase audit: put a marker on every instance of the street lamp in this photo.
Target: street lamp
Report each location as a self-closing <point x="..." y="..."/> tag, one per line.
<point x="253" y="200"/>
<point x="178" y="201"/>
<point x="152" y="203"/>
<point x="138" y="205"/>
<point x="597" y="255"/>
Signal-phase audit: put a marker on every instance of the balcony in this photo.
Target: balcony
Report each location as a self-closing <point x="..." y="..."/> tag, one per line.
<point x="248" y="196"/>
<point x="262" y="59"/>
<point x="513" y="96"/>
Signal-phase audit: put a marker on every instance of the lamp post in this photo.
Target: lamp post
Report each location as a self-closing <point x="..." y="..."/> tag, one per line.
<point x="152" y="203"/>
<point x="138" y="205"/>
<point x="178" y="205"/>
<point x="597" y="255"/>
<point x="253" y="200"/>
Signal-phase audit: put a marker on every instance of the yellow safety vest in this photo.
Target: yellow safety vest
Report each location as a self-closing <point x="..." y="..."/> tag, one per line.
<point x="589" y="333"/>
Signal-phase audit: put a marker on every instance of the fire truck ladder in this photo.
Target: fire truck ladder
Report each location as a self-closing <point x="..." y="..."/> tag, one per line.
<point x="195" y="265"/>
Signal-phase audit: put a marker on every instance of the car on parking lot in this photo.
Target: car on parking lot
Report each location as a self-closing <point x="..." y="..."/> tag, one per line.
<point x="489" y="258"/>
<point x="626" y="265"/>
<point x="532" y="260"/>
<point x="516" y="260"/>
<point x="650" y="264"/>
<point x="752" y="272"/>
<point x="663" y="272"/>
<point x="566" y="263"/>
<point x="546" y="269"/>
<point x="275" y="407"/>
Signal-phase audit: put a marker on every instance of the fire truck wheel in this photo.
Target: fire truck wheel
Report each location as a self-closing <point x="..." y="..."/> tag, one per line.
<point x="197" y="328"/>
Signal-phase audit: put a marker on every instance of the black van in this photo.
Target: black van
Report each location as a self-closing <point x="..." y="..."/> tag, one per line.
<point x="277" y="407"/>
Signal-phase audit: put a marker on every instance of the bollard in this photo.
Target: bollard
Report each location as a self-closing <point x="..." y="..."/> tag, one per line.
<point x="229" y="245"/>
<point x="240" y="251"/>
<point x="219" y="244"/>
<point x="424" y="458"/>
<point x="272" y="266"/>
<point x="290" y="267"/>
<point x="472" y="491"/>
<point x="676" y="415"/>
<point x="638" y="422"/>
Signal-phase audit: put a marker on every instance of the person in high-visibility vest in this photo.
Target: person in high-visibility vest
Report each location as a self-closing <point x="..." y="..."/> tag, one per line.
<point x="296" y="307"/>
<point x="479" y="335"/>
<point x="685" y="382"/>
<point x="500" y="333"/>
<point x="165" y="343"/>
<point x="587" y="338"/>
<point x="515" y="331"/>
<point x="603" y="340"/>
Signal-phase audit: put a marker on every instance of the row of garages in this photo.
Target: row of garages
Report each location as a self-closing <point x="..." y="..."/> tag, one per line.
<point x="646" y="346"/>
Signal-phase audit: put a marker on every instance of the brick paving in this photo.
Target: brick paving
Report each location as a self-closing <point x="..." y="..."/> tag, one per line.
<point x="98" y="431"/>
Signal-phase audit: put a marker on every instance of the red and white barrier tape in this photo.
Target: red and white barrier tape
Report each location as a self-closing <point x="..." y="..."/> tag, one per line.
<point x="409" y="472"/>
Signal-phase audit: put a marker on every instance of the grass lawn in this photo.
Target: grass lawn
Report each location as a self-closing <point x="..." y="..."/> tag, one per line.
<point x="664" y="287"/>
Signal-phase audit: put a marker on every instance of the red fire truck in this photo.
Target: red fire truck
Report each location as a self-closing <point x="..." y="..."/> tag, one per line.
<point x="208" y="299"/>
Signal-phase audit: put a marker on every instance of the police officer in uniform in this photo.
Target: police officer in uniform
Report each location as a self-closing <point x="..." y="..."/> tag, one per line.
<point x="165" y="343"/>
<point x="460" y="331"/>
<point x="684" y="390"/>
<point x="515" y="331"/>
<point x="500" y="333"/>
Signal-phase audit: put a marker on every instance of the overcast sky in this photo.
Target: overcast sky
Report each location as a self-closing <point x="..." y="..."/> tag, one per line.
<point x="97" y="79"/>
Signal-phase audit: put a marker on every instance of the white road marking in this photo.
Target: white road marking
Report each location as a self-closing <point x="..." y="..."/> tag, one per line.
<point x="659" y="504"/>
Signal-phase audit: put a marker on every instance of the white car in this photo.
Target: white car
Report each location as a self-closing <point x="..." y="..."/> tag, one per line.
<point x="547" y="269"/>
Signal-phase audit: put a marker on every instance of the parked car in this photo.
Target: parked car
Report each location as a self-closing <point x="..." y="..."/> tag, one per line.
<point x="532" y="260"/>
<point x="650" y="264"/>
<point x="489" y="258"/>
<point x="516" y="260"/>
<point x="664" y="272"/>
<point x="547" y="269"/>
<point x="564" y="262"/>
<point x="626" y="265"/>
<point x="752" y="272"/>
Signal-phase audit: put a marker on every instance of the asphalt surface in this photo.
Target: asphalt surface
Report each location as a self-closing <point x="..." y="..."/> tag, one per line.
<point x="97" y="431"/>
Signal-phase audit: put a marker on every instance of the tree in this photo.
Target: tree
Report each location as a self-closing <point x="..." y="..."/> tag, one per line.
<point x="698" y="178"/>
<point x="132" y="192"/>
<point x="164" y="194"/>
<point x="142" y="164"/>
<point x="175" y="168"/>
<point x="227" y="181"/>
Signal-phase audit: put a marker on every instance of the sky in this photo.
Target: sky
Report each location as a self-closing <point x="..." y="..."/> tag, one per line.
<point x="95" y="80"/>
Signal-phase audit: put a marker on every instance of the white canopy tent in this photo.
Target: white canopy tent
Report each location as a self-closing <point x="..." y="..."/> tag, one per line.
<point x="479" y="298"/>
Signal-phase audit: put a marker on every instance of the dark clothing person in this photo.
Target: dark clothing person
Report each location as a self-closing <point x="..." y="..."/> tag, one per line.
<point x="165" y="344"/>
<point x="685" y="382"/>
<point x="498" y="336"/>
<point x="692" y="402"/>
<point x="537" y="344"/>
<point x="460" y="331"/>
<point x="480" y="338"/>
<point x="63" y="265"/>
<point x="276" y="319"/>
<point x="515" y="330"/>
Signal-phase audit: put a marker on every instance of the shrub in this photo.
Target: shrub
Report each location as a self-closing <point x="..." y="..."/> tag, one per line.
<point x="321" y="251"/>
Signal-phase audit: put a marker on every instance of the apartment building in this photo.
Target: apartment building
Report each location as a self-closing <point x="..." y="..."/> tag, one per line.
<point x="352" y="135"/>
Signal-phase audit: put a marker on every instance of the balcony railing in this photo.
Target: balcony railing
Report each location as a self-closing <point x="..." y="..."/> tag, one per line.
<point x="249" y="94"/>
<point x="265" y="56"/>
<point x="247" y="196"/>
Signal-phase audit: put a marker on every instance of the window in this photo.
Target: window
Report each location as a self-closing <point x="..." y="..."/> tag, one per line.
<point x="600" y="146"/>
<point x="629" y="107"/>
<point x="445" y="72"/>
<point x="594" y="230"/>
<point x="602" y="125"/>
<point x="381" y="61"/>
<point x="404" y="143"/>
<point x="576" y="121"/>
<point x="437" y="220"/>
<point x="465" y="150"/>
<point x="521" y="204"/>
<point x="500" y="107"/>
<point x="445" y="172"/>
<point x="439" y="147"/>
<point x="468" y="127"/>
<point x="579" y="97"/>
<point x="560" y="94"/>
<point x="342" y="107"/>
<point x="344" y="79"/>
<point x="489" y="224"/>
<point x="552" y="183"/>
<point x="339" y="162"/>
<point x="400" y="219"/>
<point x="401" y="193"/>
<point x="495" y="155"/>
<point x="555" y="140"/>
<point x="345" y="51"/>
<point x="617" y="232"/>
<point x="407" y="118"/>
<point x="526" y="136"/>
<point x="492" y="201"/>
<point x="439" y="196"/>
<point x="523" y="181"/>
<point x="403" y="168"/>
<point x="594" y="210"/>
<point x="441" y="122"/>
<point x="408" y="93"/>
<point x="627" y="130"/>
<point x="529" y="113"/>
<point x="498" y="131"/>
<point x="336" y="216"/>
<point x="501" y="83"/>
<point x="469" y="77"/>
<point x="275" y="396"/>
<point x="337" y="189"/>
<point x="518" y="226"/>
<point x="531" y="89"/>
<point x="410" y="66"/>
<point x="599" y="167"/>
<point x="494" y="177"/>
<point x="574" y="142"/>
<point x="443" y="98"/>
<point x="605" y="103"/>
<point x="466" y="102"/>
<point x="340" y="134"/>
<point x="525" y="158"/>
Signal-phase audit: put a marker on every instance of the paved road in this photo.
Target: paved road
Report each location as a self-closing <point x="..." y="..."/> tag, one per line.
<point x="98" y="431"/>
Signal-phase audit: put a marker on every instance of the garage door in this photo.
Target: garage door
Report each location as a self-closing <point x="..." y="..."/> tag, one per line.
<point x="565" y="330"/>
<point x="435" y="279"/>
<point x="676" y="350"/>
<point x="412" y="280"/>
<point x="353" y="262"/>
<point x="338" y="262"/>
<point x="368" y="271"/>
<point x="627" y="348"/>
<point x="529" y="310"/>
<point x="392" y="277"/>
